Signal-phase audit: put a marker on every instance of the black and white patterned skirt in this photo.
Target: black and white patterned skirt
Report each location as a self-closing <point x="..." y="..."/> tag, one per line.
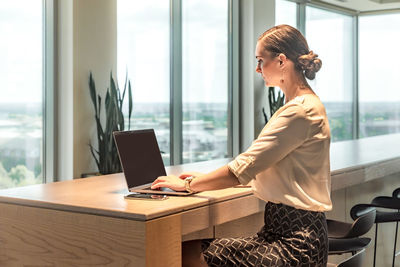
<point x="290" y="237"/>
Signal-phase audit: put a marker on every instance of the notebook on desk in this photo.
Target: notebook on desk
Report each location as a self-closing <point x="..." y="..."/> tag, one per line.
<point x="141" y="161"/>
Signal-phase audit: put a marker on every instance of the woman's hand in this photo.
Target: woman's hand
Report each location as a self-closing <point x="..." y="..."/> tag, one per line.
<point x="171" y="181"/>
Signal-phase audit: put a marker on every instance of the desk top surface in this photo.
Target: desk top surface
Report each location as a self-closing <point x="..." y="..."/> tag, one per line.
<point x="354" y="154"/>
<point x="104" y="195"/>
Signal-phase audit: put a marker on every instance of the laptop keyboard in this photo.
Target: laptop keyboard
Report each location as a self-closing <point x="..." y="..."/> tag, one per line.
<point x="165" y="189"/>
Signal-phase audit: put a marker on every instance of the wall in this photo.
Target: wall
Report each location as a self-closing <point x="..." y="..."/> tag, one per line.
<point x="87" y="42"/>
<point x="65" y="90"/>
<point x="256" y="16"/>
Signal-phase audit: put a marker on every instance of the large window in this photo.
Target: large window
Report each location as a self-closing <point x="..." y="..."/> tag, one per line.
<point x="144" y="54"/>
<point x="329" y="35"/>
<point x="205" y="79"/>
<point x="21" y="105"/>
<point x="379" y="74"/>
<point x="148" y="34"/>
<point x="285" y="13"/>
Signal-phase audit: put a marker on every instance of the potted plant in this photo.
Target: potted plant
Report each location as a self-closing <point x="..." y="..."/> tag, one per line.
<point x="274" y="102"/>
<point x="106" y="156"/>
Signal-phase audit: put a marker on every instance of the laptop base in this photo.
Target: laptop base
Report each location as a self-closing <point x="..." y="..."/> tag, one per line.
<point x="162" y="192"/>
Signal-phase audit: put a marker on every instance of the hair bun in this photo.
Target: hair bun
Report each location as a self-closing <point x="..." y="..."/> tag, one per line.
<point x="310" y="63"/>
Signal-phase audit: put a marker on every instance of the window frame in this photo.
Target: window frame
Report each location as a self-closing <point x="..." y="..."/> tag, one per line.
<point x="301" y="25"/>
<point x="176" y="118"/>
<point x="301" y="15"/>
<point x="49" y="148"/>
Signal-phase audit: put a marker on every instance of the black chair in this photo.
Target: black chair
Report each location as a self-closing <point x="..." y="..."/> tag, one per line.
<point x="355" y="260"/>
<point x="345" y="237"/>
<point x="385" y="202"/>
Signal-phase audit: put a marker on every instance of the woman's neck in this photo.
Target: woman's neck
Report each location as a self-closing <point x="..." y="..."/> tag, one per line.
<point x="295" y="86"/>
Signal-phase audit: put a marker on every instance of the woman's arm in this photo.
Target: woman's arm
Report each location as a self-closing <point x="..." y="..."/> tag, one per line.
<point x="218" y="179"/>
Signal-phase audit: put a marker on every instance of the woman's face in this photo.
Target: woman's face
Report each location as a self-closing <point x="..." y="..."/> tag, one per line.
<point x="268" y="66"/>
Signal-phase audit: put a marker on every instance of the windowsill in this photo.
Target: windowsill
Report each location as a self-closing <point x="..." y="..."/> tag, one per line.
<point x="352" y="162"/>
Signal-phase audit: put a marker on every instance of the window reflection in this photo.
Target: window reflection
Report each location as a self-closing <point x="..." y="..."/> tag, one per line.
<point x="143" y="52"/>
<point x="329" y="35"/>
<point x="285" y="13"/>
<point x="379" y="75"/>
<point x="21" y="71"/>
<point x="205" y="79"/>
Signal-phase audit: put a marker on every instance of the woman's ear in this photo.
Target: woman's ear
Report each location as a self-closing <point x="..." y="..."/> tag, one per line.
<point x="282" y="59"/>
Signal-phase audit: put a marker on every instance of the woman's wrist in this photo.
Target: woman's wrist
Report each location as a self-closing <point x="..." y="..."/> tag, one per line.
<point x="188" y="183"/>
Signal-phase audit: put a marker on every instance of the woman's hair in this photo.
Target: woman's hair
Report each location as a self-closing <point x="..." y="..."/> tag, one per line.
<point x="289" y="41"/>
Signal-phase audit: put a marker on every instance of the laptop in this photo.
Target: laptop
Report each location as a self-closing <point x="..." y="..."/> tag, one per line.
<point x="141" y="161"/>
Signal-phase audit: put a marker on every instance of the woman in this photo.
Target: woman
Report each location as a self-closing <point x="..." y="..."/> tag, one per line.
<point x="287" y="165"/>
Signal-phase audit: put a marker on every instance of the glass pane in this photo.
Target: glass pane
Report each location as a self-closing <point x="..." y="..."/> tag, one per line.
<point x="379" y="92"/>
<point x="285" y="13"/>
<point x="330" y="36"/>
<point x="205" y="79"/>
<point x="143" y="52"/>
<point x="21" y="71"/>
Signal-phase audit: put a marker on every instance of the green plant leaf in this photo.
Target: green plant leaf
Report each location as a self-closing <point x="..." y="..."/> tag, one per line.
<point x="106" y="156"/>
<point x="99" y="100"/>
<point x="94" y="156"/>
<point x="123" y="93"/>
<point x="92" y="89"/>
<point x="130" y="105"/>
<point x="275" y="102"/>
<point x="107" y="102"/>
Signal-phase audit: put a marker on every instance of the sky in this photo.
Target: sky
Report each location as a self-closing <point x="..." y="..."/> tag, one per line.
<point x="21" y="51"/>
<point x="144" y="51"/>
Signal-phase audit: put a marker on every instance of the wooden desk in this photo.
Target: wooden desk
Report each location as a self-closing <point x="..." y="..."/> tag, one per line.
<point x="88" y="222"/>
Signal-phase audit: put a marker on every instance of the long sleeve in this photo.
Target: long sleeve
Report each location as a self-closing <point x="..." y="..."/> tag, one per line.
<point x="283" y="133"/>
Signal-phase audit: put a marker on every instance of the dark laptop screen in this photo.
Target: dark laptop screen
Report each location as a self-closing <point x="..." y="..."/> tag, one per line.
<point x="140" y="156"/>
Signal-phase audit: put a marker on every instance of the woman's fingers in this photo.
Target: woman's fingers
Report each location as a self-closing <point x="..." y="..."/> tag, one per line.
<point x="171" y="181"/>
<point x="159" y="179"/>
<point x="158" y="185"/>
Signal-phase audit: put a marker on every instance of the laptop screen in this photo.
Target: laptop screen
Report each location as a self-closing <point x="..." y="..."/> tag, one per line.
<point x="140" y="156"/>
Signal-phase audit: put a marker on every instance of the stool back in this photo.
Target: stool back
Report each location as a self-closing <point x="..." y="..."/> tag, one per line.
<point x="364" y="219"/>
<point x="354" y="261"/>
<point x="396" y="193"/>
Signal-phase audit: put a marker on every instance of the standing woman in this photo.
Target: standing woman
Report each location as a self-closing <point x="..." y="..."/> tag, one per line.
<point x="287" y="165"/>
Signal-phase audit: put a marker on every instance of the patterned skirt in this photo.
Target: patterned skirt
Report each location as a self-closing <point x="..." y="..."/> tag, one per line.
<point x="290" y="237"/>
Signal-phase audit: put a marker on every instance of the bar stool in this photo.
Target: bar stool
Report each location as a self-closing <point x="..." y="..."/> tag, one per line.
<point x="396" y="193"/>
<point x="354" y="261"/>
<point x="385" y="202"/>
<point x="345" y="237"/>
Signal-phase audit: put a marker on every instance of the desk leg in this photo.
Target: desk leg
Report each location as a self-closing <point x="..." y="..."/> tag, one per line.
<point x="164" y="242"/>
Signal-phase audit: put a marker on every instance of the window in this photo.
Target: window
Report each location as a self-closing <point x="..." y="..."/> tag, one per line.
<point x="379" y="92"/>
<point x="329" y="35"/>
<point x="145" y="52"/>
<point x="285" y="13"/>
<point x="204" y="79"/>
<point x="21" y="72"/>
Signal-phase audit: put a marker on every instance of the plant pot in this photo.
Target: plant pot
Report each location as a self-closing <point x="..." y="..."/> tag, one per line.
<point x="90" y="174"/>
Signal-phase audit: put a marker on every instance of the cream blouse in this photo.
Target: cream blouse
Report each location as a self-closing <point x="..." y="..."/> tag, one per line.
<point x="289" y="161"/>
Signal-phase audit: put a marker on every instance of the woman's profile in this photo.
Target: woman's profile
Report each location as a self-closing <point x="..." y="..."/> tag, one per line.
<point x="287" y="166"/>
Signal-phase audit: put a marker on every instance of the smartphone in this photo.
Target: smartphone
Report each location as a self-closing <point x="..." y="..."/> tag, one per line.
<point x="146" y="196"/>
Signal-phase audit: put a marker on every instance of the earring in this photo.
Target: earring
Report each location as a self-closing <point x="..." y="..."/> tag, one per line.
<point x="282" y="76"/>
